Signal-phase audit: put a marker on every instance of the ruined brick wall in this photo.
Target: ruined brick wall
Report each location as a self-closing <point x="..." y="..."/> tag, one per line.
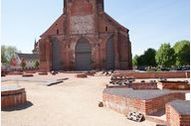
<point x="176" y="119"/>
<point x="147" y="75"/>
<point x="144" y="86"/>
<point x="157" y="104"/>
<point x="124" y="47"/>
<point x="45" y="55"/>
<point x="137" y="86"/>
<point x="124" y="105"/>
<point x="173" y="85"/>
<point x="121" y="104"/>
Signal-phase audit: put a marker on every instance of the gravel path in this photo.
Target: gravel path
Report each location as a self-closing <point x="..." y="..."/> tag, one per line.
<point x="71" y="103"/>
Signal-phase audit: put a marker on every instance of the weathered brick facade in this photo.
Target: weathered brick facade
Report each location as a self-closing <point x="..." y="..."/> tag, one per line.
<point x="85" y="37"/>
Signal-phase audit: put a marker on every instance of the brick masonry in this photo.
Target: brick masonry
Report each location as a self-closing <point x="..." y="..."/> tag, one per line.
<point x="178" y="113"/>
<point x="85" y="19"/>
<point x="174" y="85"/>
<point x="147" y="75"/>
<point x="147" y="102"/>
<point x="11" y="98"/>
<point x="137" y="86"/>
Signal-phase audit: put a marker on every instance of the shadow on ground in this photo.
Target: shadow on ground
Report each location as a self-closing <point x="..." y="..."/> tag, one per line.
<point x="18" y="107"/>
<point x="159" y="113"/>
<point x="62" y="79"/>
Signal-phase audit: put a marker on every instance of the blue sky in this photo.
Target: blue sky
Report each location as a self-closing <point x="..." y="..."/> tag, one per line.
<point x="151" y="22"/>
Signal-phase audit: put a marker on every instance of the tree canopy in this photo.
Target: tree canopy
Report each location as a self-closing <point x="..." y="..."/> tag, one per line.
<point x="147" y="59"/>
<point x="135" y="60"/>
<point x="165" y="56"/>
<point x="182" y="52"/>
<point x="7" y="52"/>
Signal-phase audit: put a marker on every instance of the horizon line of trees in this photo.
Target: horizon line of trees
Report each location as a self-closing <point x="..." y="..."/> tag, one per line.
<point x="166" y="56"/>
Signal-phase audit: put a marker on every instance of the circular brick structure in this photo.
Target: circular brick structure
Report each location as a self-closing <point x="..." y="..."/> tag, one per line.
<point x="12" y="95"/>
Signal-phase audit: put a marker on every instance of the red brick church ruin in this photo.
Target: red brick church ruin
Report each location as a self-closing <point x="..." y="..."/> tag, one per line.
<point x="84" y="37"/>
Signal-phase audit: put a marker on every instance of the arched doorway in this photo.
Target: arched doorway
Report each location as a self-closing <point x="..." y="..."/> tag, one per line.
<point x="83" y="55"/>
<point x="56" y="60"/>
<point x="110" y="54"/>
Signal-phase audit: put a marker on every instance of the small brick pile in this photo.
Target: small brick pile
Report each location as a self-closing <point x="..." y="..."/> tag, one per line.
<point x="129" y="82"/>
<point x="136" y="86"/>
<point x="121" y="80"/>
<point x="82" y="75"/>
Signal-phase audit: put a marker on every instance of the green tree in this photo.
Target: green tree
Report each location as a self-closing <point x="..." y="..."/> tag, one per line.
<point x="135" y="60"/>
<point x="149" y="57"/>
<point x="165" y="56"/>
<point x="182" y="52"/>
<point x="141" y="60"/>
<point x="3" y="56"/>
<point x="7" y="52"/>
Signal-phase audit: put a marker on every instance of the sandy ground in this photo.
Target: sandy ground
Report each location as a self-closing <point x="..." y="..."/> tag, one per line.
<point x="71" y="103"/>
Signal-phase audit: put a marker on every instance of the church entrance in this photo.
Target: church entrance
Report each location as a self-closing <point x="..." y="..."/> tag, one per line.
<point x="56" y="60"/>
<point x="83" y="55"/>
<point x="110" y="55"/>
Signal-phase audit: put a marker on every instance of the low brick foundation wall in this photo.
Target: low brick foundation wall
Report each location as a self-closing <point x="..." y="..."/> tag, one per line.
<point x="83" y="75"/>
<point x="43" y="73"/>
<point x="174" y="85"/>
<point x="15" y="73"/>
<point x="178" y="113"/>
<point x="147" y="75"/>
<point x="21" y="72"/>
<point x="144" y="86"/>
<point x="157" y="104"/>
<point x="27" y="75"/>
<point x="144" y="101"/>
<point x="137" y="86"/>
<point x="13" y="97"/>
